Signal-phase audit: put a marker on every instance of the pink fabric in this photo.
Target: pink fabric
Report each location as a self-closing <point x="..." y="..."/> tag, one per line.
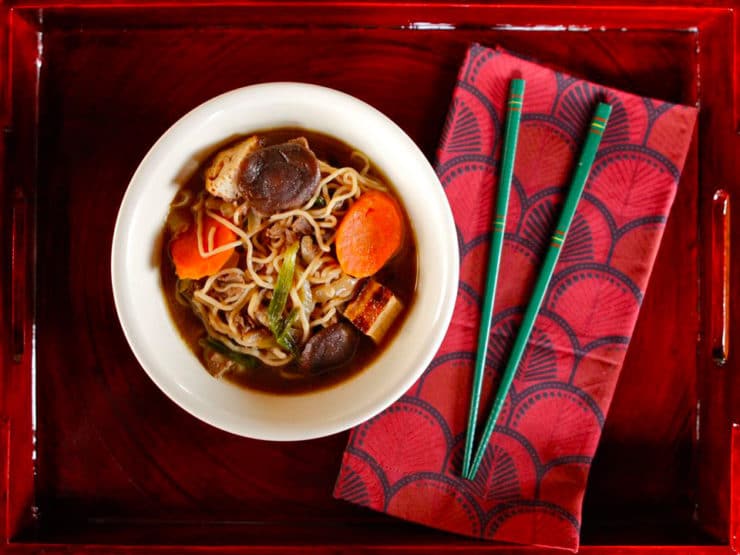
<point x="406" y="461"/>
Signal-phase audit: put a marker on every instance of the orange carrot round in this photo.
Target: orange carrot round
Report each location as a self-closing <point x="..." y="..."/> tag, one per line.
<point x="186" y="256"/>
<point x="370" y="234"/>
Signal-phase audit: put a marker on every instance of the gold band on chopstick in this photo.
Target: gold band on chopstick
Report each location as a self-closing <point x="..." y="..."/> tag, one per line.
<point x="557" y="239"/>
<point x="515" y="102"/>
<point x="597" y="126"/>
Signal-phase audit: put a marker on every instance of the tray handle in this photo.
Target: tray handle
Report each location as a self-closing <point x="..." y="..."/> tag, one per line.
<point x="720" y="277"/>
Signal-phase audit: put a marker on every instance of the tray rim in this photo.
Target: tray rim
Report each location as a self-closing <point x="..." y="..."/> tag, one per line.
<point x="715" y="19"/>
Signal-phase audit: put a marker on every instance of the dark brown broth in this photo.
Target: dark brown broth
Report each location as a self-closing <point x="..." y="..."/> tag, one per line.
<point x="399" y="275"/>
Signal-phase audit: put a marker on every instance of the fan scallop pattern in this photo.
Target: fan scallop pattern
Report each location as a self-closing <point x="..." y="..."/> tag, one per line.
<point x="461" y="134"/>
<point x="406" y="461"/>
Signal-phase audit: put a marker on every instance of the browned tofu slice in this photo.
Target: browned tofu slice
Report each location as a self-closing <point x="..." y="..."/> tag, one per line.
<point x="222" y="175"/>
<point x="373" y="309"/>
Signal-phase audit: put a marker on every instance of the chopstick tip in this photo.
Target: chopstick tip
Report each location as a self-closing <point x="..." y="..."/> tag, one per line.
<point x="603" y="110"/>
<point x="516" y="87"/>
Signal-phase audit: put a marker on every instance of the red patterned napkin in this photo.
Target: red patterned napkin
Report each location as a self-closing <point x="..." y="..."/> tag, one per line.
<point x="406" y="461"/>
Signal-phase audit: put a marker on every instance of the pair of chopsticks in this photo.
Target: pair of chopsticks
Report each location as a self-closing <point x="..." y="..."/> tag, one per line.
<point x="578" y="183"/>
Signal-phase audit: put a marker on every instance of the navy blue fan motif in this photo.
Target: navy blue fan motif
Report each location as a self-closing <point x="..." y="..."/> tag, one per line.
<point x="499" y="345"/>
<point x="578" y="245"/>
<point x="353" y="488"/>
<point x="479" y="55"/>
<point x="576" y="108"/>
<point x="576" y="105"/>
<point x="538" y="224"/>
<point x="563" y="82"/>
<point x="618" y="128"/>
<point x="464" y="134"/>
<point x="497" y="477"/>
<point x="538" y="362"/>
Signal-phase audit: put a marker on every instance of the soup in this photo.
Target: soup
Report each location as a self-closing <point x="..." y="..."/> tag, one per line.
<point x="289" y="262"/>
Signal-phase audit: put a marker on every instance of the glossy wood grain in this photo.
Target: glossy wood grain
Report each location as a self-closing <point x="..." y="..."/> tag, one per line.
<point x="18" y="181"/>
<point x="359" y="549"/>
<point x="117" y="462"/>
<point x="718" y="388"/>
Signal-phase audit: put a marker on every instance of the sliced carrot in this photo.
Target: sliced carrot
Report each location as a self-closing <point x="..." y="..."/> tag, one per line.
<point x="186" y="256"/>
<point x="370" y="234"/>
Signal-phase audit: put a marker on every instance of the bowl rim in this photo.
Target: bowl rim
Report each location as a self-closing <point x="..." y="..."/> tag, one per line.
<point x="447" y="297"/>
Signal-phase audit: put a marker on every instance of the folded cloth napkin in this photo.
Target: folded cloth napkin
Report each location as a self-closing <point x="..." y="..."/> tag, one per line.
<point x="407" y="460"/>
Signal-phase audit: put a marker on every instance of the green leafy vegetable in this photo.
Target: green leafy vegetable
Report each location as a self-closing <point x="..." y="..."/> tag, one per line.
<point x="284" y="335"/>
<point x="279" y="326"/>
<point x="240" y="358"/>
<point x="320" y="202"/>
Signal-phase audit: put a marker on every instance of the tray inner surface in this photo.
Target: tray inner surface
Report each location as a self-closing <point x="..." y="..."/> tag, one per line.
<point x="115" y="458"/>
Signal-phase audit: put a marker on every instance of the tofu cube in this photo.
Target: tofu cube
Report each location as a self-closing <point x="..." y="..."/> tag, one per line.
<point x="373" y="310"/>
<point x="222" y="175"/>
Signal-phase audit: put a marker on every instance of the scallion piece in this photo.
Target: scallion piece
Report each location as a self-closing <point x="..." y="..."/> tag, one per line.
<point x="281" y="292"/>
<point x="284" y="337"/>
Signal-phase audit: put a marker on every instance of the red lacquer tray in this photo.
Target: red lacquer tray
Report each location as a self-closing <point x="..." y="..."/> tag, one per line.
<point x="95" y="459"/>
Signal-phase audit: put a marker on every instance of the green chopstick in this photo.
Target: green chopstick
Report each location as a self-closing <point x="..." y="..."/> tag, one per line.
<point x="511" y="135"/>
<point x="578" y="183"/>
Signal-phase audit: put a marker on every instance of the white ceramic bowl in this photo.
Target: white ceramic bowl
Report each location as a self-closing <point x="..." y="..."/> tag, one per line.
<point x="137" y="243"/>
